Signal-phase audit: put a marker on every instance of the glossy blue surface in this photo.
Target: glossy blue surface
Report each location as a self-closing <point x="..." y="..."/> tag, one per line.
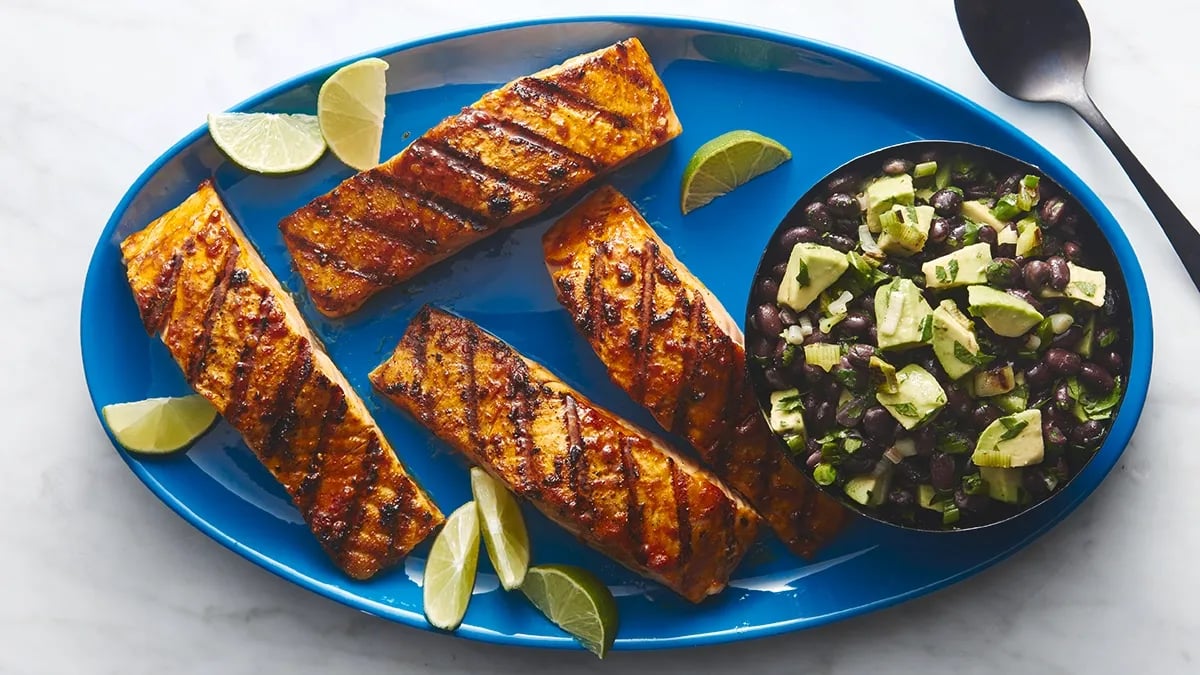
<point x="828" y="105"/>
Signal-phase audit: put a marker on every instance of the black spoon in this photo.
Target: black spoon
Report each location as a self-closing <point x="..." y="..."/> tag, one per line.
<point x="1038" y="50"/>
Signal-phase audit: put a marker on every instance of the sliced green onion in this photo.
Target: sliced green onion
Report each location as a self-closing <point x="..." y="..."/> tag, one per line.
<point x="1006" y="208"/>
<point x="1059" y="323"/>
<point x="950" y="515"/>
<point x="793" y="335"/>
<point x="925" y="169"/>
<point x="825" y="474"/>
<point x="1027" y="198"/>
<point x="973" y="484"/>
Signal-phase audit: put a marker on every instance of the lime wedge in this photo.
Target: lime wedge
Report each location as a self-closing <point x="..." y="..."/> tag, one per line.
<point x="450" y="570"/>
<point x="576" y="601"/>
<point x="503" y="528"/>
<point x="350" y="106"/>
<point x="725" y="162"/>
<point x="157" y="426"/>
<point x="267" y="142"/>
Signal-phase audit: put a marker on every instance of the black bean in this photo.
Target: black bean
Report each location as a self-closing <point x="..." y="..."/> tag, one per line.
<point x="890" y="268"/>
<point x="1072" y="251"/>
<point x="1004" y="272"/>
<point x="814" y="459"/>
<point x="1036" y="274"/>
<point x="824" y="415"/>
<point x="986" y="235"/>
<point x="860" y="355"/>
<point x="897" y="166"/>
<point x="1006" y="250"/>
<point x="901" y="497"/>
<point x="844" y="183"/>
<point x="1096" y="378"/>
<point x="918" y="280"/>
<point x="925" y="439"/>
<point x="801" y="234"/>
<point x="779" y="270"/>
<point x="810" y="402"/>
<point x="958" y="233"/>
<point x="1052" y="435"/>
<point x="788" y="316"/>
<point x="1063" y="400"/>
<point x="915" y="470"/>
<point x="850" y="413"/>
<point x="1110" y="360"/>
<point x="939" y="229"/>
<point x="1109" y="309"/>
<point x="817" y="215"/>
<point x="1007" y="185"/>
<point x="1052" y="211"/>
<point x="1088" y="434"/>
<point x="831" y="389"/>
<point x="1062" y="361"/>
<point x="816" y="337"/>
<point x="1038" y="376"/>
<point x="968" y="502"/>
<point x="957" y="401"/>
<point x="1069" y="338"/>
<point x="873" y="336"/>
<point x="946" y="203"/>
<point x="1060" y="274"/>
<point x="840" y="242"/>
<point x="813" y="375"/>
<point x="768" y="290"/>
<point x="867" y="303"/>
<point x="857" y="463"/>
<point x="984" y="414"/>
<point x="1051" y="245"/>
<point x="941" y="471"/>
<point x="776" y="378"/>
<point x="766" y="317"/>
<point x="1034" y="484"/>
<point x="855" y="324"/>
<point x="842" y="205"/>
<point x="763" y="347"/>
<point x="879" y="425"/>
<point x="1063" y="419"/>
<point x="977" y="191"/>
<point x="1026" y="296"/>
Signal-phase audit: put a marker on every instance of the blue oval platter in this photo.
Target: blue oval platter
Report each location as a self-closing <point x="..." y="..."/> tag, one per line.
<point x="825" y="103"/>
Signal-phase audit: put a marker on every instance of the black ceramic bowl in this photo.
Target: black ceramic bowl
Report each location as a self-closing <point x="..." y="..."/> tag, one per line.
<point x="765" y="360"/>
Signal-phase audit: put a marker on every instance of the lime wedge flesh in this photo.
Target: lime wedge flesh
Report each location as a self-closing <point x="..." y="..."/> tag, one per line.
<point x="503" y="528"/>
<point x="158" y="426"/>
<point x="350" y="107"/>
<point x="576" y="601"/>
<point x="450" y="570"/>
<point x="268" y="142"/>
<point x="725" y="162"/>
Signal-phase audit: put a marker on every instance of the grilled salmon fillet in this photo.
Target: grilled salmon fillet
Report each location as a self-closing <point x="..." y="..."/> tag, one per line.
<point x="242" y="344"/>
<point x="618" y="488"/>
<point x="670" y="345"/>
<point x="498" y="162"/>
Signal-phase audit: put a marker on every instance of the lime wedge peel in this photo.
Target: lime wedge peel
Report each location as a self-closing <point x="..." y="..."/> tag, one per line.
<point x="350" y="107"/>
<point x="576" y="601"/>
<point x="159" y="426"/>
<point x="450" y="569"/>
<point x="726" y="162"/>
<point x="268" y="143"/>
<point x="503" y="528"/>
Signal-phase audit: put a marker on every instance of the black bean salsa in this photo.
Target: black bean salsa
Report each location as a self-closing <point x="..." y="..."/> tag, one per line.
<point x="939" y="346"/>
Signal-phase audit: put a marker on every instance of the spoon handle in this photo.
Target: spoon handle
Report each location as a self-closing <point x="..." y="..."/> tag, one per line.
<point x="1183" y="237"/>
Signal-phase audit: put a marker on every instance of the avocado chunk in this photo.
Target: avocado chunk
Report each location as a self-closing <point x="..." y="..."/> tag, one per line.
<point x="1086" y="286"/>
<point x="905" y="229"/>
<point x="1006" y="314"/>
<point x="917" y="399"/>
<point x="1007" y="236"/>
<point x="1029" y="237"/>
<point x="885" y="192"/>
<point x="1003" y="485"/>
<point x="995" y="381"/>
<point x="925" y="498"/>
<point x="787" y="417"/>
<point x="811" y="269"/>
<point x="954" y="342"/>
<point x="966" y="266"/>
<point x="868" y="490"/>
<point x="901" y="315"/>
<point x="1012" y="440"/>
<point x="981" y="213"/>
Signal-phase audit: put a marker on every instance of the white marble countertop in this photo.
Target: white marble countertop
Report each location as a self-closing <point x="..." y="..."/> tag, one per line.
<point x="98" y="577"/>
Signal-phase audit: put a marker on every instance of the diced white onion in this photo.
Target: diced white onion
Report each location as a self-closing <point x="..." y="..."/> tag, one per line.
<point x="891" y="319"/>
<point x="893" y="455"/>
<point x="1033" y="342"/>
<point x="1061" y="322"/>
<point x="869" y="245"/>
<point x="794" y="335"/>
<point x="907" y="447"/>
<point x="838" y="306"/>
<point x="806" y="325"/>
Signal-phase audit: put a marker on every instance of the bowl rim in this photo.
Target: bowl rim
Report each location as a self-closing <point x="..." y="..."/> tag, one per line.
<point x="897" y="148"/>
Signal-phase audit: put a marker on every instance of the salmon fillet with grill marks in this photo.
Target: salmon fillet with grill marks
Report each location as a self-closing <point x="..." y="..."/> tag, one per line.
<point x="242" y="344"/>
<point x="500" y="161"/>
<point x="669" y="343"/>
<point x="619" y="489"/>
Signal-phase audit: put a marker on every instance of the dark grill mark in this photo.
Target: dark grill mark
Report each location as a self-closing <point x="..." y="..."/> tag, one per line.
<point x="532" y="89"/>
<point x="420" y="342"/>
<point x="471" y="393"/>
<point x="488" y="122"/>
<point x="447" y="208"/>
<point x="521" y="417"/>
<point x="310" y="485"/>
<point x="282" y="416"/>
<point x="368" y="273"/>
<point x="244" y="367"/>
<point x="587" y="325"/>
<point x="215" y="301"/>
<point x="689" y="366"/>
<point x="633" y="505"/>
<point x="645" y="306"/>
<point x="576" y="468"/>
<point x="346" y="522"/>
<point x="683" y="516"/>
<point x="157" y="306"/>
<point x="472" y="167"/>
